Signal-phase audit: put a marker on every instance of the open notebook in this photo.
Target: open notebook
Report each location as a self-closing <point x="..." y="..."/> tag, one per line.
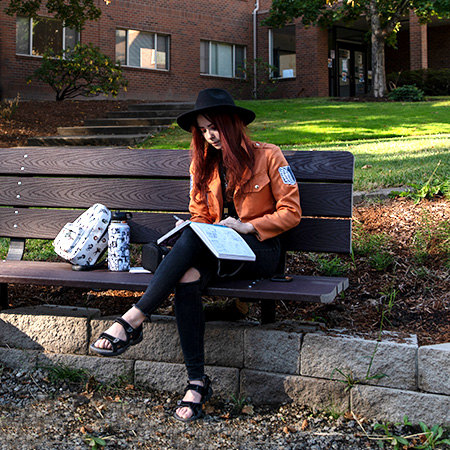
<point x="224" y="242"/>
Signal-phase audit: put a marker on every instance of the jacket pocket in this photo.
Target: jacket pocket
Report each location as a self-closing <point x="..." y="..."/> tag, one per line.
<point x="256" y="183"/>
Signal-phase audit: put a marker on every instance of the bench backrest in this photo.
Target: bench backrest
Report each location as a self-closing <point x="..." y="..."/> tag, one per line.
<point x="43" y="188"/>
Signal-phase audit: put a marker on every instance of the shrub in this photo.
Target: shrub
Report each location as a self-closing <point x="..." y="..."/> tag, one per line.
<point x="431" y="81"/>
<point x="8" y="108"/>
<point x="407" y="93"/>
<point x="85" y="70"/>
<point x="266" y="84"/>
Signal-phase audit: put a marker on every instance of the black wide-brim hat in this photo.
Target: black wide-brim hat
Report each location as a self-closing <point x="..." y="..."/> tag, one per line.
<point x="210" y="100"/>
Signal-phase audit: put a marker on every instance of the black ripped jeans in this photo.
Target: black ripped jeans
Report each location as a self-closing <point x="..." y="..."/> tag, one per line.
<point x="189" y="251"/>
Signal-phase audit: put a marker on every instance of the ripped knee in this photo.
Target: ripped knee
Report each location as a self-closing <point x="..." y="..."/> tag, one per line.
<point x="190" y="276"/>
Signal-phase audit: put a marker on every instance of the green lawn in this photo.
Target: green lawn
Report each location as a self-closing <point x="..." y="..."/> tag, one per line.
<point x="395" y="162"/>
<point x="394" y="143"/>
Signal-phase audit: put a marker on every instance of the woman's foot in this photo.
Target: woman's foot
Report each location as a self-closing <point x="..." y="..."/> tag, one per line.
<point x="125" y="331"/>
<point x="191" y="406"/>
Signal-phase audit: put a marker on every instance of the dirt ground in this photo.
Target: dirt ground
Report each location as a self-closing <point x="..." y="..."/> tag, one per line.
<point x="410" y="295"/>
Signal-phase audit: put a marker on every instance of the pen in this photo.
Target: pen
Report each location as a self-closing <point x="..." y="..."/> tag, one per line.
<point x="176" y="217"/>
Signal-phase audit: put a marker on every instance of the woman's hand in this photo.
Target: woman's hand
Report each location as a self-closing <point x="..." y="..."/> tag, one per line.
<point x="237" y="225"/>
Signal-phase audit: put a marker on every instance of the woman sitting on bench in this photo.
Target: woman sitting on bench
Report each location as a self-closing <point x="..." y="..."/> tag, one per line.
<point x="244" y="185"/>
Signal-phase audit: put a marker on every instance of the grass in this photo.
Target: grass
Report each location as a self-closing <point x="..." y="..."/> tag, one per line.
<point x="318" y="121"/>
<point x="394" y="144"/>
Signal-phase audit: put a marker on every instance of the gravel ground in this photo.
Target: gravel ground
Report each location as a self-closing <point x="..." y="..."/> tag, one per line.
<point x="37" y="412"/>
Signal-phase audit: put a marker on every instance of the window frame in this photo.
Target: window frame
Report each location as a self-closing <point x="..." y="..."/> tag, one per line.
<point x="234" y="68"/>
<point x="155" y="40"/>
<point x="30" y="35"/>
<point x="271" y="57"/>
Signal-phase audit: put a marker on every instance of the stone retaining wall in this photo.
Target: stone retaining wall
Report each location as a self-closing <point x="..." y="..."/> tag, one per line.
<point x="283" y="362"/>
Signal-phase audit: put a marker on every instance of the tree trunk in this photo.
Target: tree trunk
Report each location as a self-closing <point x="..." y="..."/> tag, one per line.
<point x="378" y="66"/>
<point x="378" y="41"/>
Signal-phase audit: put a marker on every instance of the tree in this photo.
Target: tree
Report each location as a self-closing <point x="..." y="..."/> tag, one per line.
<point x="73" y="13"/>
<point x="383" y="17"/>
<point x="82" y="71"/>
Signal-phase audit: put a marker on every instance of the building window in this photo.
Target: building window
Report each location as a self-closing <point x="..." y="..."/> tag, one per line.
<point x="35" y="36"/>
<point x="223" y="60"/>
<point x="140" y="49"/>
<point x="282" y="51"/>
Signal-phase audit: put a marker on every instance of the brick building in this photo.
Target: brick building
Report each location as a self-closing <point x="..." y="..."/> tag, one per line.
<point x="171" y="49"/>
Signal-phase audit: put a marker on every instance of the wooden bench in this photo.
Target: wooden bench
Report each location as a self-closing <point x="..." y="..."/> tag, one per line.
<point x="43" y="188"/>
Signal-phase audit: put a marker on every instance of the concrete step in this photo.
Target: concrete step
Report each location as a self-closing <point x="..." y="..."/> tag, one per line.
<point x="109" y="130"/>
<point x="126" y="122"/>
<point x="159" y="106"/>
<point x="119" y="127"/>
<point x="98" y="140"/>
<point x="167" y="113"/>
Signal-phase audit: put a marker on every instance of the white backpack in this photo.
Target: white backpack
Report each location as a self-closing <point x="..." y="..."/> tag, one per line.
<point x="85" y="240"/>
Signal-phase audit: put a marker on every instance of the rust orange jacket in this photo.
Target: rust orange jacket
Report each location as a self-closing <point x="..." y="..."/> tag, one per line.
<point x="268" y="198"/>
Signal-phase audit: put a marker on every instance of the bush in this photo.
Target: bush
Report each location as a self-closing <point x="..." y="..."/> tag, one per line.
<point x="266" y="84"/>
<point x="431" y="81"/>
<point x="85" y="70"/>
<point x="407" y="93"/>
<point x="438" y="82"/>
<point x="8" y="108"/>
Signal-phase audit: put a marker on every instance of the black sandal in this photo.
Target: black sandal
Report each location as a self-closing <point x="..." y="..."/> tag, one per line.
<point x="197" y="411"/>
<point x="134" y="336"/>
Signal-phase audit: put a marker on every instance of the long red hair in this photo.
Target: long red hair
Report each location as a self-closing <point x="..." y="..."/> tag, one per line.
<point x="237" y="153"/>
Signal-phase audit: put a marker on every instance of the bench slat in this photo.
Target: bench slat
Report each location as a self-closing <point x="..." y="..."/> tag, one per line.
<point x="302" y="288"/>
<point x="320" y="235"/>
<point x="311" y="235"/>
<point x="326" y="200"/>
<point x="46" y="224"/>
<point x="317" y="199"/>
<point x="120" y="162"/>
<point x="322" y="165"/>
<point x="124" y="194"/>
<point x="116" y="162"/>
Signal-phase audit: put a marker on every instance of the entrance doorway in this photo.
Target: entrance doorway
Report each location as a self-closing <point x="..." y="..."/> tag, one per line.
<point x="352" y="70"/>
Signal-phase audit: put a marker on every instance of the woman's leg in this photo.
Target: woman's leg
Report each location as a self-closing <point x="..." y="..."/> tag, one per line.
<point x="191" y="329"/>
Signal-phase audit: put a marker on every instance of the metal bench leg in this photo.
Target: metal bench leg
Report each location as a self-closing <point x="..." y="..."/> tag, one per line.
<point x="268" y="309"/>
<point x="3" y="296"/>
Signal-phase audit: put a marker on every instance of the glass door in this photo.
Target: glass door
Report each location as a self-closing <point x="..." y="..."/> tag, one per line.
<point x="360" y="73"/>
<point x="344" y="72"/>
<point x="352" y="71"/>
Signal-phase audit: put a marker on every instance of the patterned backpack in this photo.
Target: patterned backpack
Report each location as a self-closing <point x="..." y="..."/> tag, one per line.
<point x="85" y="240"/>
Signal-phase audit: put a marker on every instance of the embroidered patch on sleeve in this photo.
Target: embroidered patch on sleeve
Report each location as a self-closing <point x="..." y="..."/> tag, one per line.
<point x="287" y="175"/>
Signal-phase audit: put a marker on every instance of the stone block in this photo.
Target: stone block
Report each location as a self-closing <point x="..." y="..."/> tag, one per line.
<point x="275" y="388"/>
<point x="28" y="329"/>
<point x="104" y="370"/>
<point x="324" y="354"/>
<point x="173" y="377"/>
<point x="224" y="344"/>
<point x="18" y="359"/>
<point x="434" y="368"/>
<point x="160" y="376"/>
<point x="272" y="350"/>
<point x="225" y="381"/>
<point x="324" y="395"/>
<point x="391" y="405"/>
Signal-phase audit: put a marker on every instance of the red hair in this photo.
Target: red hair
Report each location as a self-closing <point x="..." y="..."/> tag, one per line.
<point x="237" y="153"/>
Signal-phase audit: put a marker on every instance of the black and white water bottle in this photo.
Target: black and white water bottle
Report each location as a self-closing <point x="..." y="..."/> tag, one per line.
<point x="119" y="242"/>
